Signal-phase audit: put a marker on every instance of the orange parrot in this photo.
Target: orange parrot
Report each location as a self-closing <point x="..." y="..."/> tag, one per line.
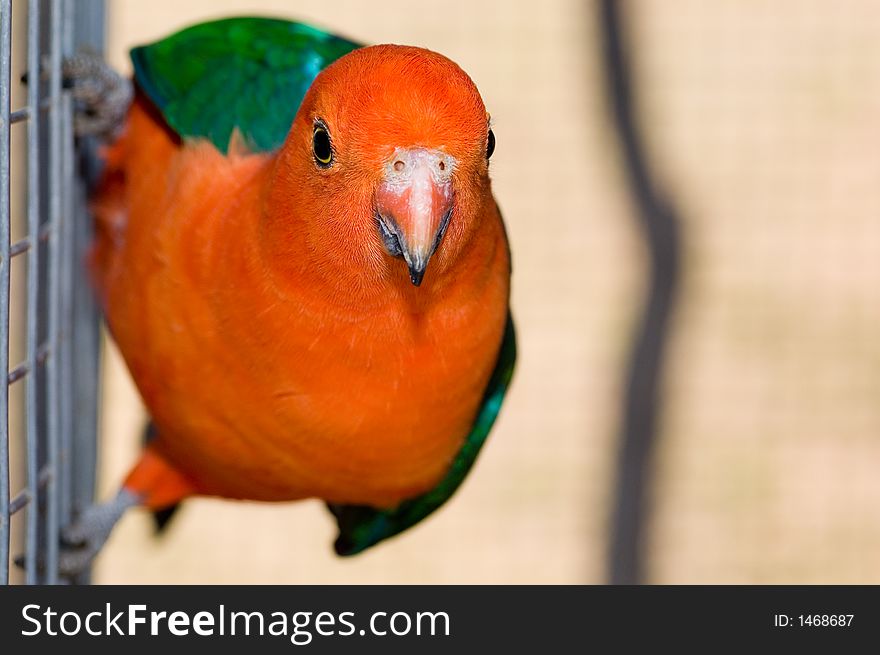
<point x="300" y="258"/>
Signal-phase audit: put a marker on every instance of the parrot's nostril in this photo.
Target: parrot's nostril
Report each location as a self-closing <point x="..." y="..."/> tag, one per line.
<point x="405" y="163"/>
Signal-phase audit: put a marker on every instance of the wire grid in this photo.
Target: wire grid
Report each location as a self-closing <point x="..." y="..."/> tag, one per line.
<point x="59" y="370"/>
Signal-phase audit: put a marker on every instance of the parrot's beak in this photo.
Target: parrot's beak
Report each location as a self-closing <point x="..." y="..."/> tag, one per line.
<point x="414" y="205"/>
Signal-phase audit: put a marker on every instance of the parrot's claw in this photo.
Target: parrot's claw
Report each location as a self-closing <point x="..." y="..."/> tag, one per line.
<point x="101" y="95"/>
<point x="83" y="539"/>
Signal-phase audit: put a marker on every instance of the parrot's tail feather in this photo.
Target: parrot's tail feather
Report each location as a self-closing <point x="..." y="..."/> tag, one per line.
<point x="157" y="482"/>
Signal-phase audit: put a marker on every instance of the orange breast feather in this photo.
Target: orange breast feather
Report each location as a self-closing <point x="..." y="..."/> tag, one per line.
<point x="273" y="389"/>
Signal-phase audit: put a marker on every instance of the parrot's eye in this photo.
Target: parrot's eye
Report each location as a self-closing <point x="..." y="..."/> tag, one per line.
<point x="490" y="144"/>
<point x="321" y="146"/>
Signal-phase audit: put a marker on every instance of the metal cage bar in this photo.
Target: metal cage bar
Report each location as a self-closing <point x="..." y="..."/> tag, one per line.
<point x="60" y="367"/>
<point x="55" y="187"/>
<point x="33" y="262"/>
<point x="80" y="330"/>
<point x="5" y="231"/>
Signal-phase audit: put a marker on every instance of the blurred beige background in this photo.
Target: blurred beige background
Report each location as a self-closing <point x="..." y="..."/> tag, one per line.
<point x="761" y="121"/>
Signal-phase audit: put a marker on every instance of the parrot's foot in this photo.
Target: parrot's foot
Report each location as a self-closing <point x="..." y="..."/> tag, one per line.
<point x="82" y="540"/>
<point x="101" y="95"/>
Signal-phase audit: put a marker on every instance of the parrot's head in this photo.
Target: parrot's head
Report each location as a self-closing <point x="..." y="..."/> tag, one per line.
<point x="387" y="164"/>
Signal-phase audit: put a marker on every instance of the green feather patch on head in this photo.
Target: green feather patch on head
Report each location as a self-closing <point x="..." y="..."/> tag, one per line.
<point x="361" y="527"/>
<point x="250" y="73"/>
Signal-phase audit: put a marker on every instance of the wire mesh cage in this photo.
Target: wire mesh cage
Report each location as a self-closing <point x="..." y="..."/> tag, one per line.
<point x="48" y="322"/>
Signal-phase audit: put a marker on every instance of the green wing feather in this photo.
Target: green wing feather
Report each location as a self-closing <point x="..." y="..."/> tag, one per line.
<point x="250" y="73"/>
<point x="361" y="527"/>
